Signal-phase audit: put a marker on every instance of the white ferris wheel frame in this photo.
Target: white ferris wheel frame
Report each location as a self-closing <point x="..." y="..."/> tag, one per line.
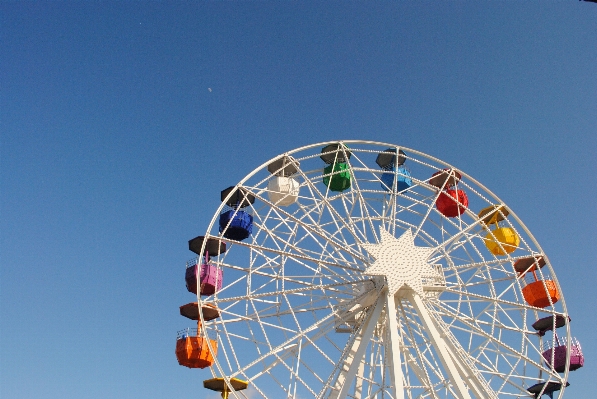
<point x="465" y="380"/>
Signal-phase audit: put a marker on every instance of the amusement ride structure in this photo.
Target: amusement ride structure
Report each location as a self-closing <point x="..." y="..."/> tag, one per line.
<point x="356" y="269"/>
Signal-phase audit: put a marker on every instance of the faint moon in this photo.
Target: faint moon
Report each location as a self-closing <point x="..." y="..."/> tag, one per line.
<point x="209" y="88"/>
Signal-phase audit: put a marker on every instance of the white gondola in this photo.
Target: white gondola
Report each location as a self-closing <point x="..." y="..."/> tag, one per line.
<point x="282" y="188"/>
<point x="283" y="191"/>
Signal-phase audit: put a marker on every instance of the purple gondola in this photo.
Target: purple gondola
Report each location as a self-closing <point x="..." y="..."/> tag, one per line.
<point x="209" y="275"/>
<point x="556" y="356"/>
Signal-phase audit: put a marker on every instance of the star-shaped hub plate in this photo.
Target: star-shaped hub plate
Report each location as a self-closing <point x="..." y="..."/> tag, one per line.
<point x="400" y="261"/>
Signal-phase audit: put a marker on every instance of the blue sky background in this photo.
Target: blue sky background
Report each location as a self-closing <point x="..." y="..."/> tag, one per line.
<point x="121" y="122"/>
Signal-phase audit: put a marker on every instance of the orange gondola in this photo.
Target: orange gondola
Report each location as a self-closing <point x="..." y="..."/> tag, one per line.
<point x="194" y="352"/>
<point x="536" y="291"/>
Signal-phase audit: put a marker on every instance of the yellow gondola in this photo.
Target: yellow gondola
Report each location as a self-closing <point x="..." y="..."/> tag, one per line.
<point x="502" y="240"/>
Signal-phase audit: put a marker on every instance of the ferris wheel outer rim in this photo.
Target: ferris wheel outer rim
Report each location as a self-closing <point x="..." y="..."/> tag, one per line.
<point x="437" y="160"/>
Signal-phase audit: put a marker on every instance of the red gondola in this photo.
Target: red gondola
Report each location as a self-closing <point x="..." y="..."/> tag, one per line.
<point x="452" y="203"/>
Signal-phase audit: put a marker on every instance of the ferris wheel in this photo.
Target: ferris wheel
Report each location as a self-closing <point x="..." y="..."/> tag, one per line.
<point x="357" y="269"/>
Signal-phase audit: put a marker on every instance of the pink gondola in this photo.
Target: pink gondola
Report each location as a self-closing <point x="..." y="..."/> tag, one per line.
<point x="556" y="356"/>
<point x="210" y="277"/>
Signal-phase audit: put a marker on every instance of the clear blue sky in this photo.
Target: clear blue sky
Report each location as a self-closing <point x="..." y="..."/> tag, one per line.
<point x="121" y="122"/>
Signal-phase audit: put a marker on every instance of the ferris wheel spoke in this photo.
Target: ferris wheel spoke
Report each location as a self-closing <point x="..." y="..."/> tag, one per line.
<point x="440" y="346"/>
<point x="462" y="243"/>
<point x="509" y="378"/>
<point x="425" y="361"/>
<point x="411" y="363"/>
<point x="458" y="235"/>
<point x="416" y="202"/>
<point x="467" y="264"/>
<point x="310" y="272"/>
<point x="352" y="360"/>
<point x="288" y="349"/>
<point x="300" y="256"/>
<point x="484" y="298"/>
<point x="490" y="284"/>
<point x="291" y="222"/>
<point x="482" y="325"/>
<point x="427" y="213"/>
<point x="321" y="327"/>
<point x="423" y="235"/>
<point x="325" y="290"/>
<point x="293" y="370"/>
<point x="393" y="347"/>
<point x="492" y="322"/>
<point x="473" y="328"/>
<point x="494" y="313"/>
<point x="260" y="317"/>
<point x="420" y="372"/>
<point x="315" y="230"/>
<point x="306" y="280"/>
<point x="353" y="209"/>
<point x="342" y="230"/>
<point x="364" y="209"/>
<point x="479" y="386"/>
<point x="326" y="204"/>
<point x="292" y="248"/>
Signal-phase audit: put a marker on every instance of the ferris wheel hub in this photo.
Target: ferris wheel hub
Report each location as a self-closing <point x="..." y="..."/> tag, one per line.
<point x="400" y="261"/>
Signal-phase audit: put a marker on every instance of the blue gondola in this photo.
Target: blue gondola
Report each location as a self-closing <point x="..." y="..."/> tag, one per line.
<point x="240" y="224"/>
<point x="403" y="175"/>
<point x="235" y="223"/>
